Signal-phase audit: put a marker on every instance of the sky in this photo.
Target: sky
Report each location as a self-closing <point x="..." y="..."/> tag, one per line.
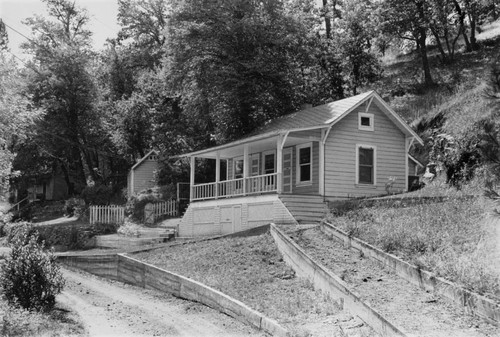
<point x="102" y="20"/>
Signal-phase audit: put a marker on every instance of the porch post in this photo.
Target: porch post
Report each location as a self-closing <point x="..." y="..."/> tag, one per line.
<point x="217" y="174"/>
<point x="279" y="163"/>
<point x="191" y="180"/>
<point x="322" y="162"/>
<point x="245" y="168"/>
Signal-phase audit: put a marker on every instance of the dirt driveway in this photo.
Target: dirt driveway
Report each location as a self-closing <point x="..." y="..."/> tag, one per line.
<point x="110" y="308"/>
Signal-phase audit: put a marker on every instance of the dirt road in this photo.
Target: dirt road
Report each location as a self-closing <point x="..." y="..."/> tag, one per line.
<point x="110" y="308"/>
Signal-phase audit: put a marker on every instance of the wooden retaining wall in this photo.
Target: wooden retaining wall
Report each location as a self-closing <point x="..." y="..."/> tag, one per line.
<point x="126" y="269"/>
<point x="472" y="302"/>
<point x="328" y="282"/>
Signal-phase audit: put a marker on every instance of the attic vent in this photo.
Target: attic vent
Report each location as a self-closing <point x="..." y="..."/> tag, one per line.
<point x="153" y="157"/>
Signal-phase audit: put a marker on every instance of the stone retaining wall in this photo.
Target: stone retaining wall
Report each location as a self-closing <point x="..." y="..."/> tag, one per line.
<point x="126" y="269"/>
<point x="328" y="282"/>
<point x="472" y="302"/>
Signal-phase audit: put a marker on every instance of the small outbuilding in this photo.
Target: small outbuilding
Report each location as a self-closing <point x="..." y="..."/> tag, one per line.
<point x="142" y="175"/>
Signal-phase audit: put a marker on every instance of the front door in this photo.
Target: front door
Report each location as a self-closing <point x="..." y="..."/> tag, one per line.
<point x="287" y="170"/>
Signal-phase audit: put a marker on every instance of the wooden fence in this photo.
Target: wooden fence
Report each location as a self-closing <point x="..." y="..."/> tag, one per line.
<point x="111" y="214"/>
<point x="152" y="212"/>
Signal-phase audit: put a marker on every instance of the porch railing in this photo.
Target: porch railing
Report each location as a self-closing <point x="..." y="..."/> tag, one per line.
<point x="236" y="187"/>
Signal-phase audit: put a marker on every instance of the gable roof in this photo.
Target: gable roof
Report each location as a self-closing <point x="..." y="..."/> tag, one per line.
<point x="322" y="116"/>
<point x="143" y="159"/>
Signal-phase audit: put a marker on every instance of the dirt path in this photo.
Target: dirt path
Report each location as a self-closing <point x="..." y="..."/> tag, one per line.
<point x="110" y="308"/>
<point x="418" y="312"/>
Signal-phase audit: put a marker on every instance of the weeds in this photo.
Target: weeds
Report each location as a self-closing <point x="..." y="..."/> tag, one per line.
<point x="442" y="237"/>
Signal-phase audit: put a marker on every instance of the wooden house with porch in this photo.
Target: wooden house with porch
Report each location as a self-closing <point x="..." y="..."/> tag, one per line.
<point x="287" y="170"/>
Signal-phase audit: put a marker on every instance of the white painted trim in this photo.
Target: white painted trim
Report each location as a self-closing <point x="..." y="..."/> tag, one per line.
<point x="191" y="177"/>
<point x="279" y="162"/>
<point x="368" y="104"/>
<point x="365" y="146"/>
<point x="297" y="164"/>
<point x="322" y="163"/>
<point x="370" y="127"/>
<point x="217" y="174"/>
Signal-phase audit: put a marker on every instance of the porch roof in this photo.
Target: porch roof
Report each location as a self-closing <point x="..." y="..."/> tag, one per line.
<point x="322" y="116"/>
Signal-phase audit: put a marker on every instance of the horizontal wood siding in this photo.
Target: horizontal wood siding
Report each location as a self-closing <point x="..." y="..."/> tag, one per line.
<point x="144" y="175"/>
<point x="314" y="187"/>
<point x="340" y="155"/>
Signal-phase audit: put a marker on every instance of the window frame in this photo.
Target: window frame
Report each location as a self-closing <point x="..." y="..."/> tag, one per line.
<point x="374" y="170"/>
<point x="235" y="160"/>
<point x="298" y="165"/>
<point x="264" y="154"/>
<point x="371" y="117"/>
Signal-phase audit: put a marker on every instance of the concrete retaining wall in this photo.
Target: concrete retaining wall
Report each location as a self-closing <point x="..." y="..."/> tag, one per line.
<point x="328" y="282"/>
<point x="126" y="269"/>
<point x="472" y="302"/>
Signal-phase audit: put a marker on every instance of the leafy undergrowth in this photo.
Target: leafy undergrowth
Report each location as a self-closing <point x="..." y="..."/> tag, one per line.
<point x="448" y="238"/>
<point x="252" y="271"/>
<point x="19" y="322"/>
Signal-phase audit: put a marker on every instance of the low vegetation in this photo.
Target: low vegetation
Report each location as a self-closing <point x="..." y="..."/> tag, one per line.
<point x="448" y="237"/>
<point x="251" y="270"/>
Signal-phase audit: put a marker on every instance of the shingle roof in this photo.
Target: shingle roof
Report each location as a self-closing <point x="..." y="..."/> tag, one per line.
<point x="321" y="115"/>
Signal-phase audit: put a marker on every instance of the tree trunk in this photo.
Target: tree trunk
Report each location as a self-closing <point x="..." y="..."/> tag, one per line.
<point x="328" y="23"/>
<point x="444" y="57"/>
<point x="473" y="41"/>
<point x="423" y="54"/>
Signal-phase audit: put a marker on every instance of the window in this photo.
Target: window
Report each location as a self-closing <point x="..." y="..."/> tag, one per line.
<point x="365" y="164"/>
<point x="238" y="168"/>
<point x="365" y="121"/>
<point x="304" y="163"/>
<point x="269" y="162"/>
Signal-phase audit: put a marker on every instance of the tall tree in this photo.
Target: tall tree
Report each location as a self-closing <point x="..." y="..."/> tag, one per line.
<point x="235" y="64"/>
<point x="63" y="87"/>
<point x="409" y="20"/>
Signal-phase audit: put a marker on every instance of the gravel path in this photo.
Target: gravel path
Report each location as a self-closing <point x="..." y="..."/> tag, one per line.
<point x="110" y="308"/>
<point x="416" y="311"/>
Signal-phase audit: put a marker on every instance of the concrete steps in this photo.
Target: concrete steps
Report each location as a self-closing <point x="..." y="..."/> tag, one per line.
<point x="305" y="208"/>
<point x="147" y="236"/>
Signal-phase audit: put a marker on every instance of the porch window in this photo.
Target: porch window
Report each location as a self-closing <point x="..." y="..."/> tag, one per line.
<point x="304" y="163"/>
<point x="238" y="168"/>
<point x="365" y="164"/>
<point x="269" y="162"/>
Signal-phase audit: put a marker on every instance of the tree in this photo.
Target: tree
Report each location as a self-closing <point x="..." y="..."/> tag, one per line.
<point x="235" y="64"/>
<point x="355" y="32"/>
<point x="61" y="84"/>
<point x="409" y="20"/>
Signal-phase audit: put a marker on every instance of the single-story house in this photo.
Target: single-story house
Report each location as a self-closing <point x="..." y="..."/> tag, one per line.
<point x="290" y="168"/>
<point x="142" y="175"/>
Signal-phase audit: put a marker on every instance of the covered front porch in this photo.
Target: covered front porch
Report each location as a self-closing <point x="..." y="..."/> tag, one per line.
<point x="273" y="163"/>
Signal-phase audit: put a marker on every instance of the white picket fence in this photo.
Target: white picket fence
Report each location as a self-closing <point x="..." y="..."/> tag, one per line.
<point x="111" y="214"/>
<point x="159" y="209"/>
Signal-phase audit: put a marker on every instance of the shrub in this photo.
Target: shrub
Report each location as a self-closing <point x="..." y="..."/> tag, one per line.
<point x="74" y="207"/>
<point x="97" y="194"/>
<point x="30" y="277"/>
<point x="135" y="205"/>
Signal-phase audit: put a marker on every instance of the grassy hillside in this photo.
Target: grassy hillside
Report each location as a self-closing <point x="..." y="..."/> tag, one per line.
<point x="456" y="104"/>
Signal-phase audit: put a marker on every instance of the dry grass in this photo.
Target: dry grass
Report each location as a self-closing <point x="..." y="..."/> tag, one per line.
<point x="446" y="237"/>
<point x="19" y="322"/>
<point x="251" y="270"/>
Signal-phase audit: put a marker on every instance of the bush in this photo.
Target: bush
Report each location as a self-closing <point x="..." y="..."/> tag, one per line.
<point x="97" y="194"/>
<point x="135" y="205"/>
<point x="30" y="277"/>
<point x="129" y="228"/>
<point x="74" y="207"/>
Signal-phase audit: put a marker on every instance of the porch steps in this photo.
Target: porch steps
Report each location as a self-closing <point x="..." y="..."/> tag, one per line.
<point x="305" y="208"/>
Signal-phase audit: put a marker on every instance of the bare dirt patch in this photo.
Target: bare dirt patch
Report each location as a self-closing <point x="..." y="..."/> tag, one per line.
<point x="253" y="271"/>
<point x="418" y="312"/>
<point x="115" y="309"/>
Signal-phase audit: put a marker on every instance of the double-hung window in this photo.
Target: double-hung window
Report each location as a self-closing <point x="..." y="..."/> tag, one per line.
<point x="366" y="164"/>
<point x="238" y="168"/>
<point x="304" y="163"/>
